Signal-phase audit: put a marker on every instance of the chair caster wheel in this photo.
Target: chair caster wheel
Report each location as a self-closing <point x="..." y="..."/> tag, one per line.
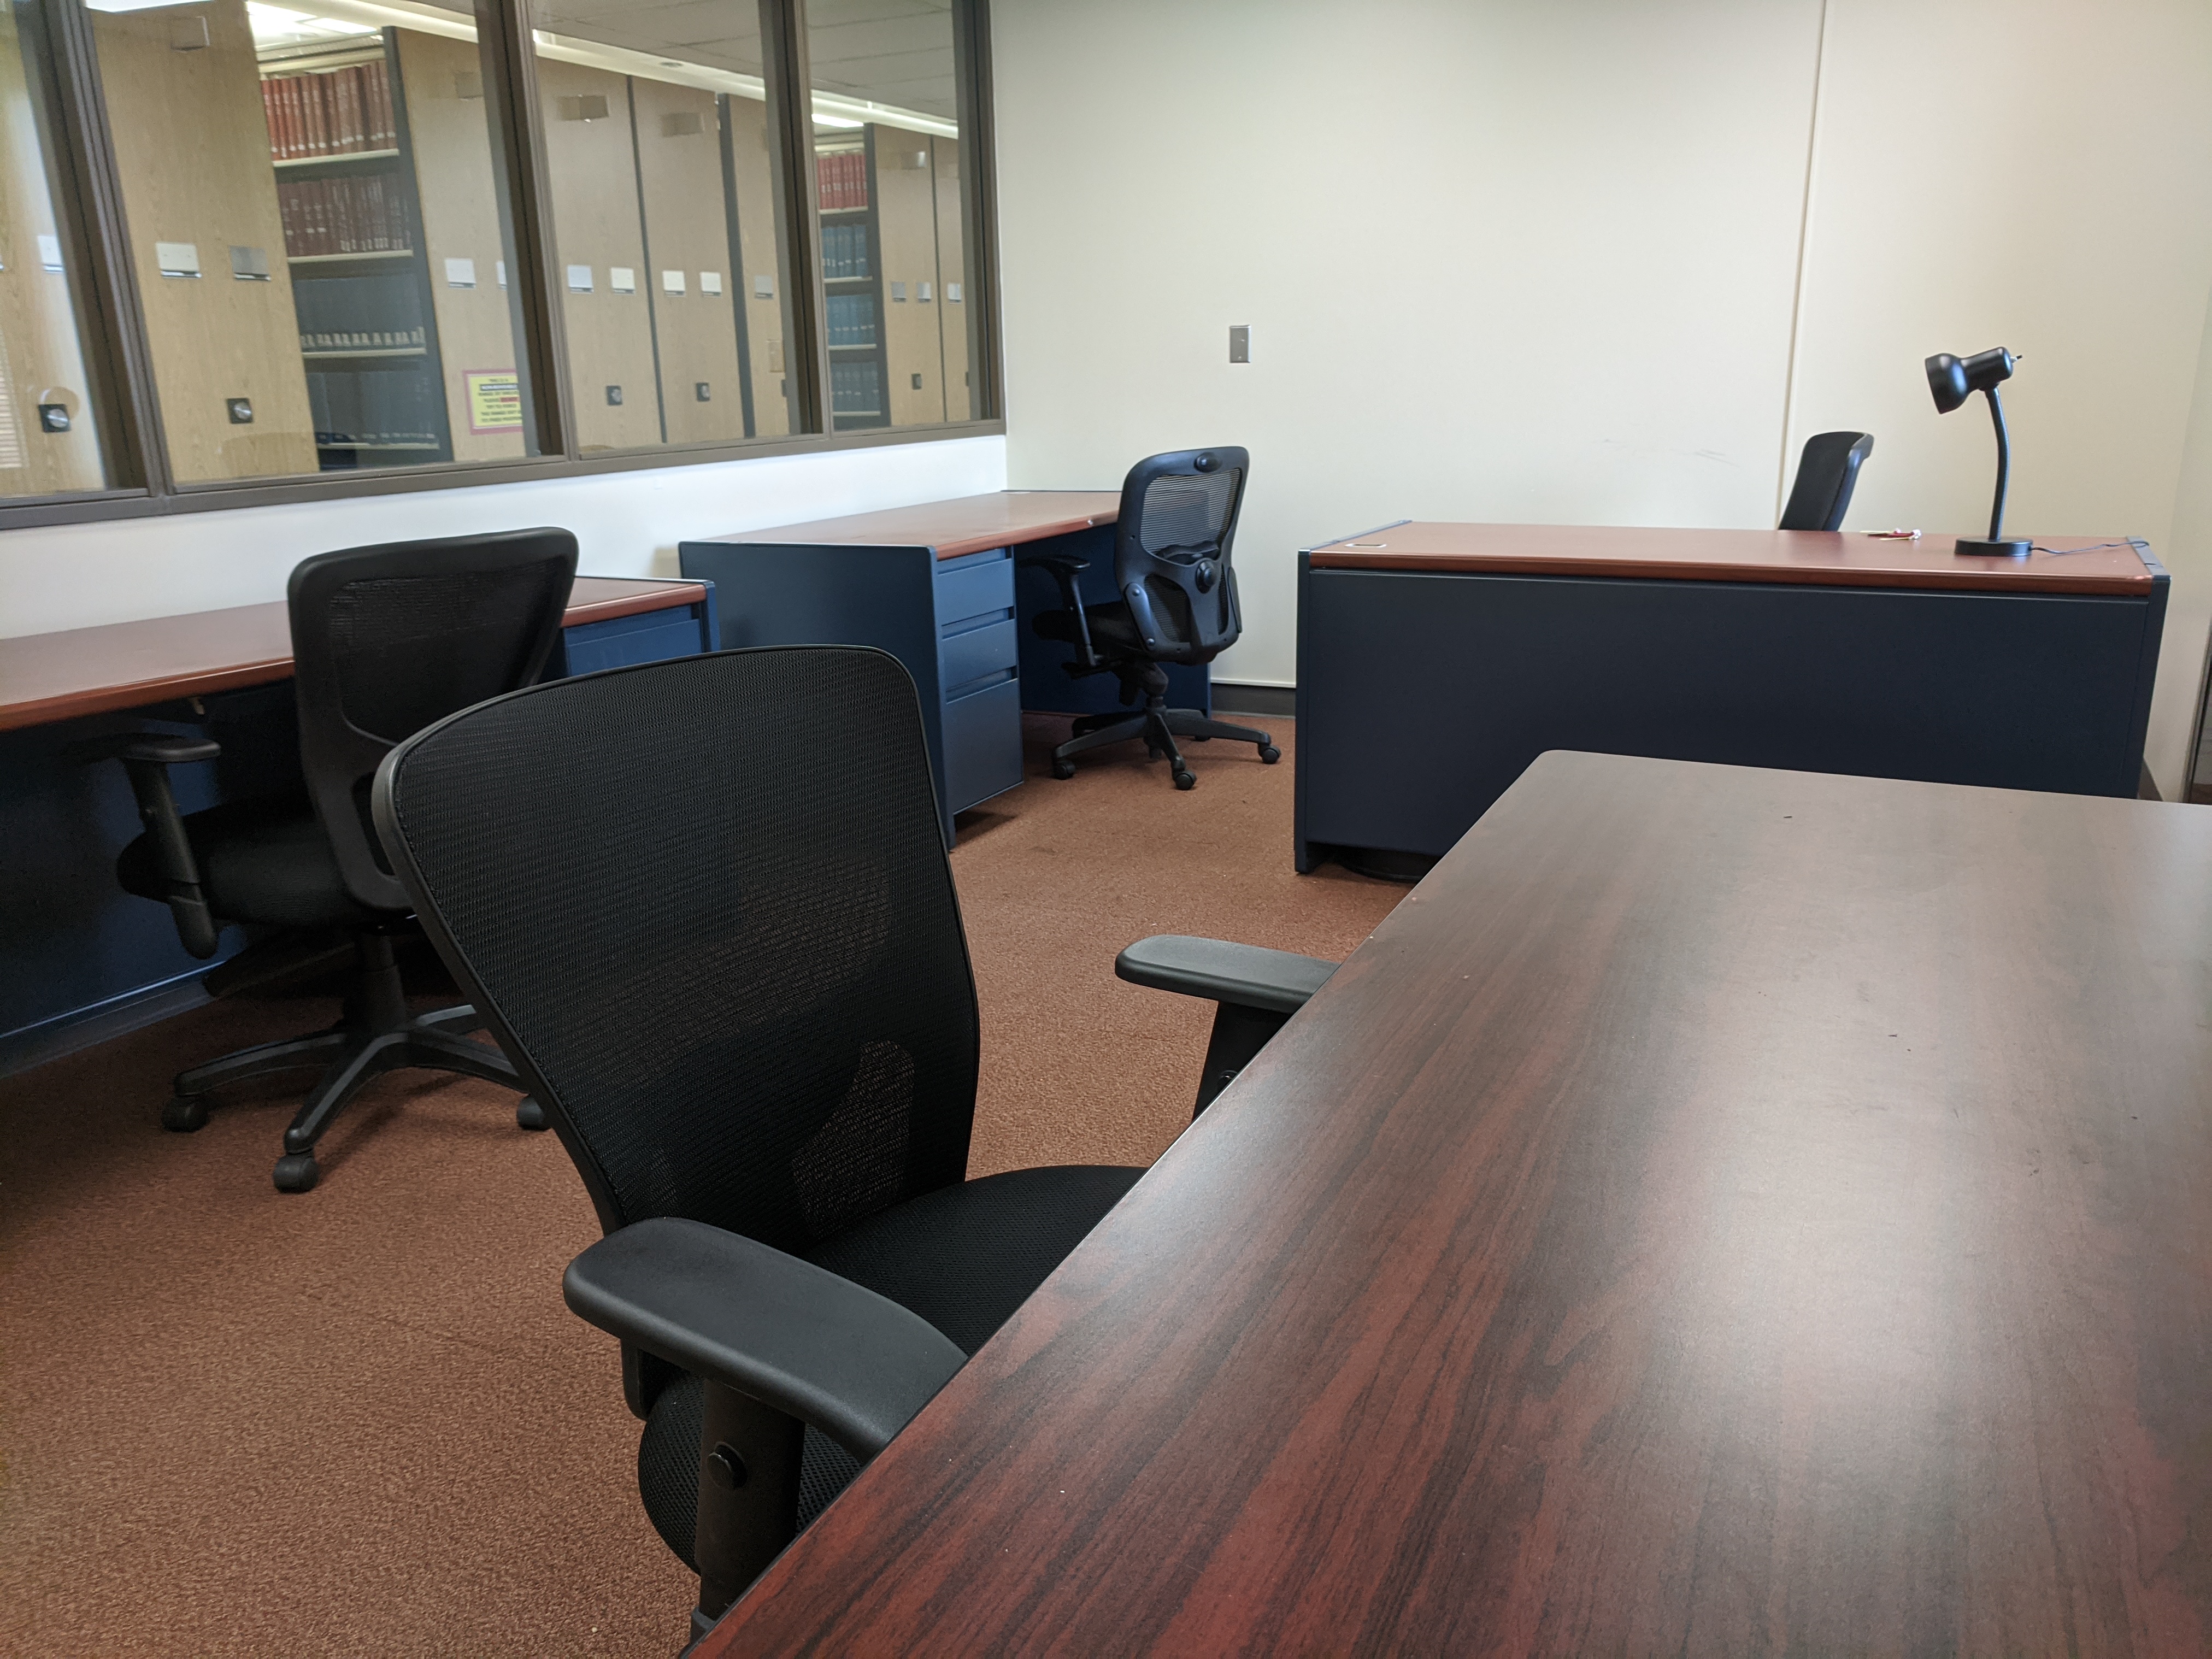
<point x="1269" y="754"/>
<point x="1063" y="769"/>
<point x="296" y="1172"/>
<point x="1185" y="781"/>
<point x="528" y="1113"/>
<point x="185" y="1115"/>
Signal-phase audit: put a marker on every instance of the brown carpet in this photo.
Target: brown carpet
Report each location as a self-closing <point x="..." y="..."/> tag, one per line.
<point x="361" y="1421"/>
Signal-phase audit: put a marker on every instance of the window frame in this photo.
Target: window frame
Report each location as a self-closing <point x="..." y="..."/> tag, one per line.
<point x="118" y="360"/>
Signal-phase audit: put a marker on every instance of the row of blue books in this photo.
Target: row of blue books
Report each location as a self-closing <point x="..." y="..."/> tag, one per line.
<point x="851" y="319"/>
<point x="856" y="388"/>
<point x="844" y="251"/>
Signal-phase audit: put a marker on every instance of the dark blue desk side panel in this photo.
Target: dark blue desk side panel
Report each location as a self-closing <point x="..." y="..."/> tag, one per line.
<point x="72" y="943"/>
<point x="1423" y="698"/>
<point x="1047" y="687"/>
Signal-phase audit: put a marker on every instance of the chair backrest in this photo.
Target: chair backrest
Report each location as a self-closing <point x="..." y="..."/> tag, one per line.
<point x="1171" y="551"/>
<point x="387" y="639"/>
<point x="705" y="906"/>
<point x="1828" y="472"/>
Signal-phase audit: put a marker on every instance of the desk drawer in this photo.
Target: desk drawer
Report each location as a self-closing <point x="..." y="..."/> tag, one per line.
<point x="982" y="745"/>
<point x="975" y="590"/>
<point x="989" y="652"/>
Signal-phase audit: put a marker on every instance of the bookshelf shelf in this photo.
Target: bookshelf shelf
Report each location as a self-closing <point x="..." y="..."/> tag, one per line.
<point x="368" y="351"/>
<point x="348" y="258"/>
<point x="340" y="443"/>
<point x="339" y="158"/>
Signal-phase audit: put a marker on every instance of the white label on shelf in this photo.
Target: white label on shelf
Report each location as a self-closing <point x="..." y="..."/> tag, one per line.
<point x="499" y="269"/>
<point x="922" y="292"/>
<point x="671" y="281"/>
<point x="579" y="279"/>
<point x="622" y="279"/>
<point x="710" y="282"/>
<point x="460" y="273"/>
<point x="763" y="288"/>
<point x="952" y="294"/>
<point x="898" y="293"/>
<point x="177" y="258"/>
<point x="49" y="253"/>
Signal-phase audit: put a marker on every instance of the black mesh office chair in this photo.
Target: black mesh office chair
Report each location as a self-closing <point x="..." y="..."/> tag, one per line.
<point x="1178" y="604"/>
<point x="737" y="977"/>
<point x="1828" y="472"/>
<point x="385" y="640"/>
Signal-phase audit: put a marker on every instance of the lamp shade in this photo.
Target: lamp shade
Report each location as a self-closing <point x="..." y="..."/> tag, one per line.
<point x="1954" y="380"/>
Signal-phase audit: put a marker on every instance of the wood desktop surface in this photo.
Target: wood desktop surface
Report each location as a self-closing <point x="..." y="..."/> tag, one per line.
<point x="91" y="671"/>
<point x="971" y="523"/>
<point x="1829" y="558"/>
<point x="1719" y="1209"/>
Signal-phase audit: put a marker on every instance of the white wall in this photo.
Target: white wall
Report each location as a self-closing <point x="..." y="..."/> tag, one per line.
<point x="626" y="524"/>
<point x="1538" y="260"/>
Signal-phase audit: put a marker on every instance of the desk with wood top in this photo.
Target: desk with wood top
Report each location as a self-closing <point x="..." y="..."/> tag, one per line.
<point x="1437" y="660"/>
<point x="940" y="586"/>
<point x="1719" y="1211"/>
<point x="75" y="949"/>
<point x="90" y="671"/>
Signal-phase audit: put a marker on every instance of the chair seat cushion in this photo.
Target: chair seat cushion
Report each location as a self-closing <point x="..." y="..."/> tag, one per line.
<point x="264" y="860"/>
<point x="1112" y="632"/>
<point x="962" y="1257"/>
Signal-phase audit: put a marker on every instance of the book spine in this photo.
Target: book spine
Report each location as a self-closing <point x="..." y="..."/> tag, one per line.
<point x="378" y="77"/>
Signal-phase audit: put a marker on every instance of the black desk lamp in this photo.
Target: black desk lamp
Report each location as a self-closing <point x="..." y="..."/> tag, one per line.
<point x="1953" y="382"/>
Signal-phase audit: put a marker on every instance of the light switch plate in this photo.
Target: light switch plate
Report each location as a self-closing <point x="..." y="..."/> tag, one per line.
<point x="1240" y="342"/>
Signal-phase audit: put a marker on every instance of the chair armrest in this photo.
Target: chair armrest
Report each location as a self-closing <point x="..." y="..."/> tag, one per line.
<point x="1243" y="975"/>
<point x="160" y="747"/>
<point x="794" y="1336"/>
<point x="1063" y="567"/>
<point x="147" y="757"/>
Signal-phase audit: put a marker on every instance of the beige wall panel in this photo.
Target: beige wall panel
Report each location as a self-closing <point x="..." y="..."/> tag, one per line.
<point x="39" y="346"/>
<point x="593" y="173"/>
<point x="459" y="197"/>
<point x="756" y="242"/>
<point x="906" y="222"/>
<point x="952" y="271"/>
<point x="687" y="231"/>
<point x="192" y="146"/>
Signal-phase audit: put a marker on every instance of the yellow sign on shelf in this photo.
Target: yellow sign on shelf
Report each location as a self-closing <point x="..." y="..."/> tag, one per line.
<point x="494" y="399"/>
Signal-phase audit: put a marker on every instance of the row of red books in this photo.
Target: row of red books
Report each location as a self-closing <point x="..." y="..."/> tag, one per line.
<point x="843" y="179"/>
<point x="336" y="113"/>
<point x="342" y="216"/>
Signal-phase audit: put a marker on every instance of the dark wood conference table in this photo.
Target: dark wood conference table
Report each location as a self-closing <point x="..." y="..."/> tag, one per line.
<point x="1719" y="1209"/>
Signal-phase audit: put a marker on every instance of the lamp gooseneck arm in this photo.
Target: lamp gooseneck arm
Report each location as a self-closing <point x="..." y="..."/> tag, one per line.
<point x="2004" y="464"/>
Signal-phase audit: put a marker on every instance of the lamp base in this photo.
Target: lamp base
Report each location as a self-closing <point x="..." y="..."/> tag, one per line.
<point x="2009" y="548"/>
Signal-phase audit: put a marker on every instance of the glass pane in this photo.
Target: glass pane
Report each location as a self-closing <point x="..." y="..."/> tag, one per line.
<point x="319" y="232"/>
<point x="672" y="276"/>
<point x="49" y="439"/>
<point x="887" y="161"/>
